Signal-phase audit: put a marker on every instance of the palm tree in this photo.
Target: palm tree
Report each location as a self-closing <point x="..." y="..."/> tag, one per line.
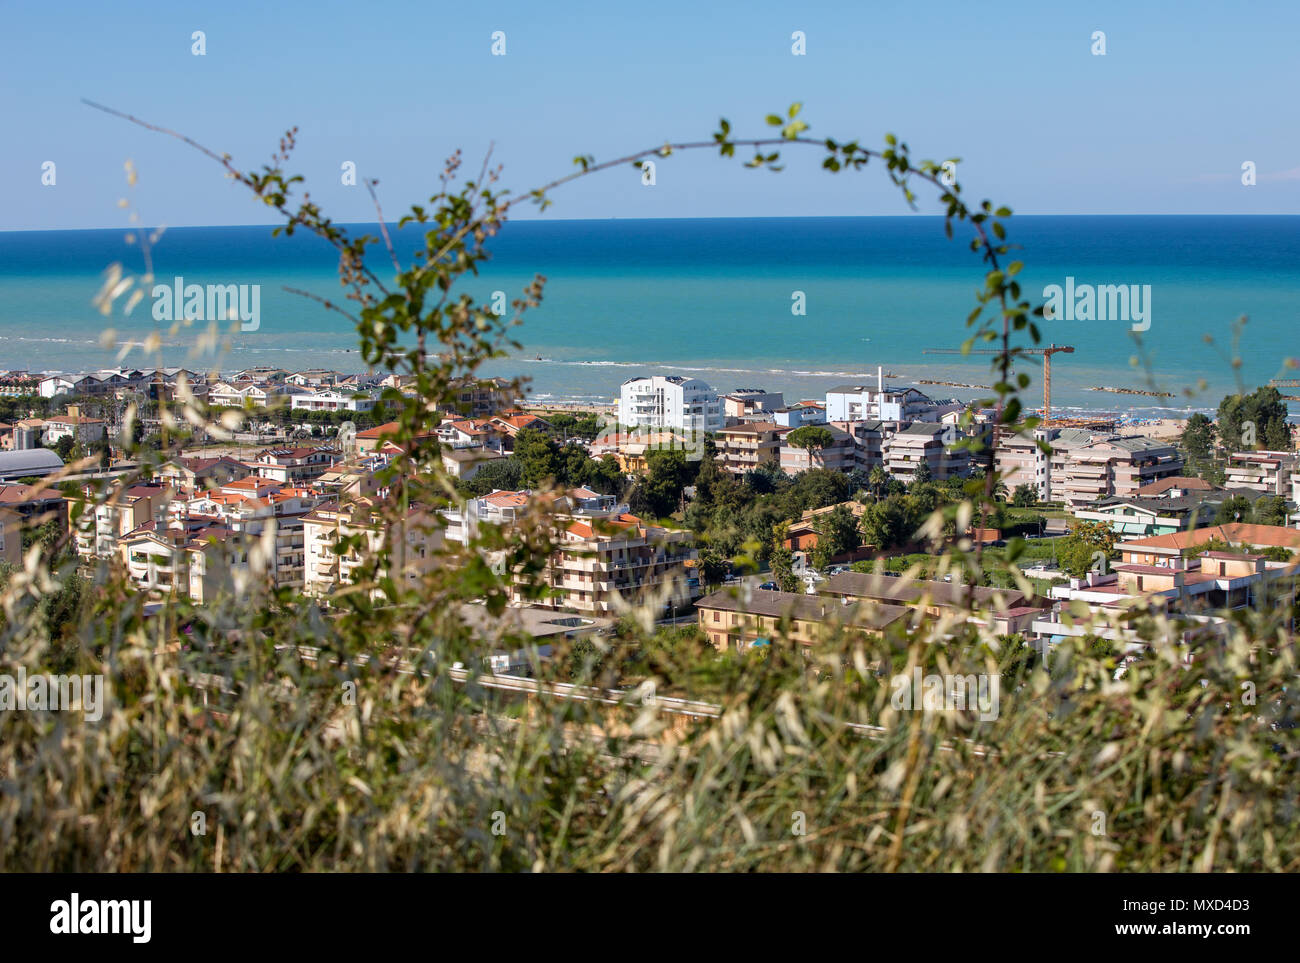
<point x="878" y="479"/>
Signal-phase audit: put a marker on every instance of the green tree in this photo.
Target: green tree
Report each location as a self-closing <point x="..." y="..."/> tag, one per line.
<point x="878" y="479"/>
<point x="539" y="458"/>
<point x="1084" y="546"/>
<point x="1235" y="508"/>
<point x="1270" y="510"/>
<point x="887" y="524"/>
<point x="837" y="533"/>
<point x="811" y="437"/>
<point x="712" y="568"/>
<point x="1025" y="496"/>
<point x="1254" y="421"/>
<point x="783" y="569"/>
<point x="1198" y="437"/>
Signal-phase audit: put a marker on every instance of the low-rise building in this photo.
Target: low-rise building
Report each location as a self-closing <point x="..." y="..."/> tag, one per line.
<point x="736" y="619"/>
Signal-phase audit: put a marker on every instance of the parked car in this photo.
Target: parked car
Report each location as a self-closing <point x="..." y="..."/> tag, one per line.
<point x="769" y="587"/>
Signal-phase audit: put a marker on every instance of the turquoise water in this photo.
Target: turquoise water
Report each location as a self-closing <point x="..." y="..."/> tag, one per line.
<point x="712" y="298"/>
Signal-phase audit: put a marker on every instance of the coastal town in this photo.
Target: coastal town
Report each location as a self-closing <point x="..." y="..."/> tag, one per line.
<point x="1106" y="516"/>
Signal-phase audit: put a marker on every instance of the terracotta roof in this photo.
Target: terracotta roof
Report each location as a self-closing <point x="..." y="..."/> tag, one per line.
<point x="806" y="608"/>
<point x="1175" y="481"/>
<point x="388" y="428"/>
<point x="1233" y="533"/>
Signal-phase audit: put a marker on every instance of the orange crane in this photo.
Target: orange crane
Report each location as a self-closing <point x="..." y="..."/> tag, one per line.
<point x="1047" y="367"/>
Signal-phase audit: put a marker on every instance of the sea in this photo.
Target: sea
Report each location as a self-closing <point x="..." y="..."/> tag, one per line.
<point x="797" y="305"/>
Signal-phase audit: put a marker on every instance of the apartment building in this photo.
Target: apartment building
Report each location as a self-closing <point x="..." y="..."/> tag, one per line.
<point x="870" y="439"/>
<point x="295" y="466"/>
<point x="878" y="403"/>
<point x="101" y="526"/>
<point x="840" y="455"/>
<point x="669" y="401"/>
<point x="800" y="413"/>
<point x="1020" y="461"/>
<point x="470" y="433"/>
<point x="154" y="555"/>
<point x="1117" y="466"/>
<point x="332" y="399"/>
<point x="925" y="442"/>
<point x="602" y="566"/>
<point x="739" y="620"/>
<point x="193" y="473"/>
<point x="744" y="447"/>
<point x="272" y="521"/>
<point x="80" y="429"/>
<point x="413" y="543"/>
<point x="483" y="397"/>
<point x="745" y="404"/>
<point x="1266" y="472"/>
<point x="504" y="508"/>
<point x="1168" y="572"/>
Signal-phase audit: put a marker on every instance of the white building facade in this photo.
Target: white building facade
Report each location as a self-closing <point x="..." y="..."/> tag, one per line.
<point x="660" y="401"/>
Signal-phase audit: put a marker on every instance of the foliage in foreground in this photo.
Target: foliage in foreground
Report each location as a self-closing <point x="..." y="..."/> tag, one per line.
<point x="273" y="733"/>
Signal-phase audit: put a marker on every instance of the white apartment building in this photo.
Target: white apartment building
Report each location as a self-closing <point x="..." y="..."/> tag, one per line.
<point x="330" y="400"/>
<point x="672" y="401"/>
<point x="879" y="403"/>
<point x="1268" y="472"/>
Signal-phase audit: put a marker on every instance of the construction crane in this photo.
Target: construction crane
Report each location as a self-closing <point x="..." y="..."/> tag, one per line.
<point x="1047" y="367"/>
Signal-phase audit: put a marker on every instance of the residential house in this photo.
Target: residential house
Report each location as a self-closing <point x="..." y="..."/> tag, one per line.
<point x="738" y="620"/>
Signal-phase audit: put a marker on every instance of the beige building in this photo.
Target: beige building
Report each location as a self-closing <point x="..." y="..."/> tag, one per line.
<point x="413" y="543"/>
<point x="732" y="621"/>
<point x="925" y="442"/>
<point x="101" y="525"/>
<point x="744" y="447"/>
<point x="11" y="537"/>
<point x="602" y="562"/>
<point x="1116" y="466"/>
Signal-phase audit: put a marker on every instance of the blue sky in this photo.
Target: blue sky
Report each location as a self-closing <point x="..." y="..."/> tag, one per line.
<point x="1161" y="124"/>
